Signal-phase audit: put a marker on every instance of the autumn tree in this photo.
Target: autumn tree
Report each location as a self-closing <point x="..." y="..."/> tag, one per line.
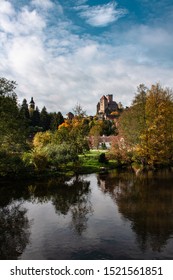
<point x="157" y="139"/>
<point x="42" y="139"/>
<point x="147" y="126"/>
<point x="133" y="120"/>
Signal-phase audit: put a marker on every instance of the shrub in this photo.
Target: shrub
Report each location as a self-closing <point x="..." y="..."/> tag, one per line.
<point x="102" y="158"/>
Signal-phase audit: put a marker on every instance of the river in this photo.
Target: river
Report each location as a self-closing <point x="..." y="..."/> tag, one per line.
<point x="110" y="216"/>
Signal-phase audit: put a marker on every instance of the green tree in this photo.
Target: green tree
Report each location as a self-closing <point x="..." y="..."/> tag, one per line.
<point x="24" y="110"/>
<point x="35" y="117"/>
<point x="44" y="119"/>
<point x="12" y="136"/>
<point x="13" y="130"/>
<point x="7" y="88"/>
<point x="60" y="154"/>
<point x="108" y="127"/>
<point x="56" y="119"/>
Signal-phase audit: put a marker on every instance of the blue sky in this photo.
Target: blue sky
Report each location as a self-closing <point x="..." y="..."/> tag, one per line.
<point x="64" y="52"/>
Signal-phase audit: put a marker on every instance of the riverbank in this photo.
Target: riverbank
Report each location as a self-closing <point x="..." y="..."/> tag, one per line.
<point x="94" y="161"/>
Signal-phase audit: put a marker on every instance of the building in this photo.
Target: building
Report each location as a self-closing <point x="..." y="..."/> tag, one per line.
<point x="32" y="104"/>
<point x="106" y="106"/>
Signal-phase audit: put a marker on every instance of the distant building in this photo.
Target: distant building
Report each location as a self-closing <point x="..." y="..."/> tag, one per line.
<point x="97" y="142"/>
<point x="32" y="104"/>
<point x="106" y="106"/>
<point x="70" y="115"/>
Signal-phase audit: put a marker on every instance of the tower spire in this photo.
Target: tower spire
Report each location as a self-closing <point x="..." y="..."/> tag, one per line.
<point x="32" y="104"/>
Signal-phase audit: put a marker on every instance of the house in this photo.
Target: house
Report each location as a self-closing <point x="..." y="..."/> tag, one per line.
<point x="103" y="141"/>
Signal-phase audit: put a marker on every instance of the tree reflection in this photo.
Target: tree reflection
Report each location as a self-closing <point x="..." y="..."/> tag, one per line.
<point x="67" y="197"/>
<point x="74" y="199"/>
<point x="14" y="231"/>
<point x="147" y="202"/>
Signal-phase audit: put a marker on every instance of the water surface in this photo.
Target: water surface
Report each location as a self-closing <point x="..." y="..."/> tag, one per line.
<point x="111" y="216"/>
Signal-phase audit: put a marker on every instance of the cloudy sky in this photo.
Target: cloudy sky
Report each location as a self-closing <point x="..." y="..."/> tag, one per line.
<point x="68" y="52"/>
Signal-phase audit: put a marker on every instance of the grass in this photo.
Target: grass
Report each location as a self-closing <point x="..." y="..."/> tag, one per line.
<point x="89" y="163"/>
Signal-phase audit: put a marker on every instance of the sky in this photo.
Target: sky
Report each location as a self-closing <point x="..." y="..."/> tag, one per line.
<point x="68" y="52"/>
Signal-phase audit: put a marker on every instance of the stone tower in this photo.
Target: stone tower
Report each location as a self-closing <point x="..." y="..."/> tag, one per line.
<point x="32" y="104"/>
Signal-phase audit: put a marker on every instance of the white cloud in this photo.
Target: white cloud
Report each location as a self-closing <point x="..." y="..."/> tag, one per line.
<point x="23" y="22"/>
<point x="101" y="15"/>
<point x="45" y="4"/>
<point x="6" y="8"/>
<point x="60" y="68"/>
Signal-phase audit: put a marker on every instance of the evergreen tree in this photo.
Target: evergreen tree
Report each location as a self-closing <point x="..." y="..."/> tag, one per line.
<point x="24" y="113"/>
<point x="35" y="117"/>
<point x="44" y="119"/>
<point x="56" y="119"/>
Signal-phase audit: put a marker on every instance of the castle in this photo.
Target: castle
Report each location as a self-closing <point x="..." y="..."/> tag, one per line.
<point x="106" y="106"/>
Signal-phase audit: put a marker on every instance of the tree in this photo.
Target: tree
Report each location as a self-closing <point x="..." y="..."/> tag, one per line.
<point x="157" y="139"/>
<point x="12" y="130"/>
<point x="44" y="119"/>
<point x="133" y="120"/>
<point x="78" y="110"/>
<point x="147" y="126"/>
<point x="35" y="117"/>
<point x="12" y="136"/>
<point x="24" y="111"/>
<point x="7" y="88"/>
<point x="56" y="119"/>
<point x="60" y="154"/>
<point x="14" y="231"/>
<point x="108" y="127"/>
<point x="41" y="139"/>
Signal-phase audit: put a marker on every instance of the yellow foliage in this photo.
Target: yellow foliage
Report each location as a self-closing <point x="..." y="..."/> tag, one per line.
<point x="76" y="122"/>
<point x="41" y="139"/>
<point x="115" y="113"/>
<point x="65" y="124"/>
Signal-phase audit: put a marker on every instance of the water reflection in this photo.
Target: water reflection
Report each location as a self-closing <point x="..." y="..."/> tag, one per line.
<point x="14" y="231"/>
<point x="146" y="201"/>
<point x="114" y="216"/>
<point x="67" y="198"/>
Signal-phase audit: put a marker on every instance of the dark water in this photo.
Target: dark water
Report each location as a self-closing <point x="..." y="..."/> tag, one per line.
<point x="114" y="216"/>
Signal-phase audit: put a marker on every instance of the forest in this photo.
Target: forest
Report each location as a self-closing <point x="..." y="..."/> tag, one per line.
<point x="36" y="142"/>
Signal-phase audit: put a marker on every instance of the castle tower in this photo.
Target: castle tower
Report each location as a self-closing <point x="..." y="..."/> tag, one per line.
<point x="103" y="104"/>
<point x="109" y="98"/>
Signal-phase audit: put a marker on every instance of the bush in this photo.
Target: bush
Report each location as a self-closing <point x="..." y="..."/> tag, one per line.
<point x="10" y="163"/>
<point x="102" y="158"/>
<point x="36" y="159"/>
<point x="60" y="154"/>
